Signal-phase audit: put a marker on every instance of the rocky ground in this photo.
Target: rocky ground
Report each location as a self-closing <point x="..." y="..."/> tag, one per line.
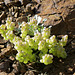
<point x="60" y="14"/>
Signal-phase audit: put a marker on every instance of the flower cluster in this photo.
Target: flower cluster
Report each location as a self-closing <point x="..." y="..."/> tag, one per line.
<point x="34" y="42"/>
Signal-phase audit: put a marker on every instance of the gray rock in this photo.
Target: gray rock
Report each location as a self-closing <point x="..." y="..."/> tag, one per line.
<point x="59" y="13"/>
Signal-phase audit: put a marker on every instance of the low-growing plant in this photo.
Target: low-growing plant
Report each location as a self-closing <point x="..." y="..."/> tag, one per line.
<point x="33" y="41"/>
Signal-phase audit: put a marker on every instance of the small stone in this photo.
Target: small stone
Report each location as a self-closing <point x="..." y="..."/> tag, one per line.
<point x="3" y="73"/>
<point x="29" y="73"/>
<point x="1" y="46"/>
<point x="11" y="73"/>
<point x="16" y="15"/>
<point x="60" y="73"/>
<point x="70" y="69"/>
<point x="13" y="13"/>
<point x="3" y="21"/>
<point x="12" y="58"/>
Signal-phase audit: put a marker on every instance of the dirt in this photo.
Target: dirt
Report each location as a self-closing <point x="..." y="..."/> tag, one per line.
<point x="19" y="11"/>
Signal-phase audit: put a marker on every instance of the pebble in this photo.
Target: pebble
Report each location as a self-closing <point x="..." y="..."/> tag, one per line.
<point x="29" y="73"/>
<point x="11" y="73"/>
<point x="3" y="73"/>
<point x="1" y="46"/>
<point x="16" y="15"/>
